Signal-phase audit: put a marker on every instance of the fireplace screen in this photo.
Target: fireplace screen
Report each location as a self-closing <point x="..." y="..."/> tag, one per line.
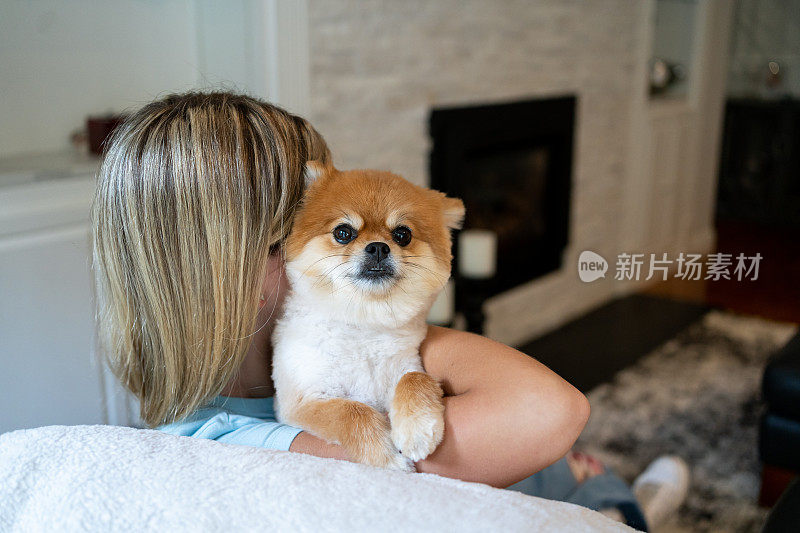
<point x="507" y="193"/>
<point x="511" y="164"/>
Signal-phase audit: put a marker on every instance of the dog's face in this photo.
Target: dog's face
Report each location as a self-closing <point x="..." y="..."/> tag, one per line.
<point x="371" y="245"/>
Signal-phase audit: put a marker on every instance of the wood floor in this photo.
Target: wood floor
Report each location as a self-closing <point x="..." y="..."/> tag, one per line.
<point x="776" y="292"/>
<point x="592" y="348"/>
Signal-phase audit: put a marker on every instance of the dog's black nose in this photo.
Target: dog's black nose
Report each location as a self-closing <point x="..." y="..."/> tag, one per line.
<point x="377" y="250"/>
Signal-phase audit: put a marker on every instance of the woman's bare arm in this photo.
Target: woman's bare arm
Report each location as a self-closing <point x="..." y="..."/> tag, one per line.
<point x="307" y="443"/>
<point x="506" y="415"/>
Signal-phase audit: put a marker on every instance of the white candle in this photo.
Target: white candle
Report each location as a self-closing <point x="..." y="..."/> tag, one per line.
<point x="477" y="253"/>
<point x="444" y="306"/>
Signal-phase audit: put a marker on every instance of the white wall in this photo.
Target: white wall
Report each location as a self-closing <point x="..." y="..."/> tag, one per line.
<point x="674" y="35"/>
<point x="764" y="31"/>
<point x="675" y="145"/>
<point x="59" y="62"/>
<point x="62" y="61"/>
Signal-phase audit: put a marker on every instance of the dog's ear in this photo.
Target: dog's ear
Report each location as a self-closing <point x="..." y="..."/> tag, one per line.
<point x="316" y="170"/>
<point x="453" y="211"/>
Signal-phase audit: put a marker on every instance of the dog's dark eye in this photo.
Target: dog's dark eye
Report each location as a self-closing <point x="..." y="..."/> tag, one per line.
<point x="344" y="233"/>
<point x="402" y="235"/>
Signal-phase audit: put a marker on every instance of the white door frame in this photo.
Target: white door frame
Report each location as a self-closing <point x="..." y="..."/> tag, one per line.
<point x="286" y="41"/>
<point x="263" y="49"/>
<point x="691" y="127"/>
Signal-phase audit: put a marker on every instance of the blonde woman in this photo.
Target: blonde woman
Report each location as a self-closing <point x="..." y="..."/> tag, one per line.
<point x="194" y="198"/>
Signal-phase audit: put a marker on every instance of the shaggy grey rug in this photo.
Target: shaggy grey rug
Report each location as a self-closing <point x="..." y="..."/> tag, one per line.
<point x="696" y="396"/>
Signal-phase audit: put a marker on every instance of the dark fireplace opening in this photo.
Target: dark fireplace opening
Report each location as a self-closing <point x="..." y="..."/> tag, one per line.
<point x="511" y="164"/>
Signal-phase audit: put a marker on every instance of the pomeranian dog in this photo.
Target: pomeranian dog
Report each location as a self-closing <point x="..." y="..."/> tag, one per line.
<point x="366" y="257"/>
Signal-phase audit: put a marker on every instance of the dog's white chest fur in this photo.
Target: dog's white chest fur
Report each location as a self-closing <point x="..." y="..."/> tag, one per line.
<point x="318" y="355"/>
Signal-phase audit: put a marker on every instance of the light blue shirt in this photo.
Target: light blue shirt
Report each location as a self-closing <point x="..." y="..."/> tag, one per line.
<point x="246" y="421"/>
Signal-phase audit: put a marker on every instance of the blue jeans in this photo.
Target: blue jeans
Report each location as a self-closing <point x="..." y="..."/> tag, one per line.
<point x="604" y="491"/>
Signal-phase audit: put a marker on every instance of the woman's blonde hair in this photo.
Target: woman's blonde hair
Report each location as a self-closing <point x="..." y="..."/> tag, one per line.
<point x="194" y="192"/>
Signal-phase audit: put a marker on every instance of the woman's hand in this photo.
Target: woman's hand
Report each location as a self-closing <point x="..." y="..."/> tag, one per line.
<point x="507" y="416"/>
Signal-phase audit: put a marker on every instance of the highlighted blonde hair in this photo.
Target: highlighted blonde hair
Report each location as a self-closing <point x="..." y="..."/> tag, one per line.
<point x="194" y="192"/>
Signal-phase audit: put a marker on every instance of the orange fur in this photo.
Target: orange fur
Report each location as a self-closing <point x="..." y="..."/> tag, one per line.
<point x="428" y="213"/>
<point x="360" y="429"/>
<point x="417" y="415"/>
<point x="416" y="392"/>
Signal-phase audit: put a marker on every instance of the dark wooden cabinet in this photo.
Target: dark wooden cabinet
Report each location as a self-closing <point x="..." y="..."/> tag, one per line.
<point x="760" y="168"/>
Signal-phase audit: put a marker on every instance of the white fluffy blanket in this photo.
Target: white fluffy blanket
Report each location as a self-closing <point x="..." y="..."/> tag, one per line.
<point x="105" y="478"/>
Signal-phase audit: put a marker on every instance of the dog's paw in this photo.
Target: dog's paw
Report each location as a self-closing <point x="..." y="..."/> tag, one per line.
<point x="375" y="448"/>
<point x="417" y="434"/>
<point x="402" y="463"/>
<point x="387" y="456"/>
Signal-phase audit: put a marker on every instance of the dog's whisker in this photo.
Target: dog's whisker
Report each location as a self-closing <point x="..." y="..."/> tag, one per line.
<point x="391" y="310"/>
<point x="340" y="287"/>
<point x="427" y="257"/>
<point x="324" y="276"/>
<point x="323" y="258"/>
<point x="435" y="274"/>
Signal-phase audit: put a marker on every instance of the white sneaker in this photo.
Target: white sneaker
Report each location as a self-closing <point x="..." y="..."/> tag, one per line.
<point x="662" y="488"/>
